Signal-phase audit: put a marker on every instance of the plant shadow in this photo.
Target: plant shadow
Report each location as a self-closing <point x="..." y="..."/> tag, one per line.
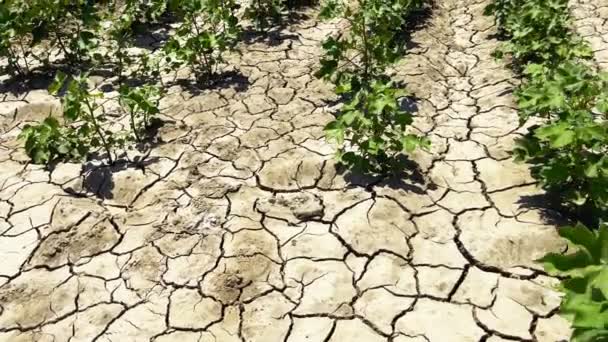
<point x="416" y="20"/>
<point x="151" y="36"/>
<point x="409" y="104"/>
<point x="554" y="212"/>
<point x="41" y="76"/>
<point x="548" y="205"/>
<point x="403" y="174"/>
<point x="38" y="78"/>
<point x="275" y="35"/>
<point x="98" y="179"/>
<point x="223" y="80"/>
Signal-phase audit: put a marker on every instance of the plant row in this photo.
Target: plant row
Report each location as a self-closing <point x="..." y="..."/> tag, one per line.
<point x="86" y="34"/>
<point x="564" y="100"/>
<point x="585" y="281"/>
<point x="371" y="127"/>
<point x="565" y="95"/>
<point x="83" y="36"/>
<point x="84" y="126"/>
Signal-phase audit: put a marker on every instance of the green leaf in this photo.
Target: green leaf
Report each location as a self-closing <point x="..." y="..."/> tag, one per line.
<point x="63" y="148"/>
<point x="589" y="315"/>
<point x="590" y="335"/>
<point x="603" y="242"/>
<point x="349" y="117"/>
<point x="410" y="143"/>
<point x="57" y="83"/>
<point x="334" y="131"/>
<point x="591" y="132"/>
<point x="558" y="135"/>
<point x="592" y="170"/>
<point x="584" y="238"/>
<point x="571" y="264"/>
<point x="600" y="282"/>
<point x="41" y="156"/>
<point x="585" y="302"/>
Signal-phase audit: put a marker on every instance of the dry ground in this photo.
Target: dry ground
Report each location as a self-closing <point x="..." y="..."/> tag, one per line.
<point x="239" y="227"/>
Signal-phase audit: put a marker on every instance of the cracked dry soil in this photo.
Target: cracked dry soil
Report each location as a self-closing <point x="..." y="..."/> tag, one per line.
<point x="239" y="228"/>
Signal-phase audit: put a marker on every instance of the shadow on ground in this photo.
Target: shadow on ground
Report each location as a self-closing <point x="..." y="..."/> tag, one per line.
<point x="404" y="174"/>
<point x="227" y="79"/>
<point x="553" y="212"/>
<point x="549" y="207"/>
<point x="99" y="179"/>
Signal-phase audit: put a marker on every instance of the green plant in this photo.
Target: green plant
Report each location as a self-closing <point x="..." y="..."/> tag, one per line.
<point x="12" y="46"/>
<point x="568" y="152"/>
<point x="370" y="129"/>
<point x="501" y="10"/>
<point x="65" y="25"/>
<point x="375" y="128"/>
<point x="142" y="105"/>
<point x="539" y="31"/>
<point x="569" y="159"/>
<point x="560" y="91"/>
<point x="585" y="286"/>
<point x="370" y="45"/>
<point x="146" y="11"/>
<point x="568" y="149"/>
<point x="127" y="18"/>
<point x="265" y="13"/>
<point x="48" y="142"/>
<point x="121" y="34"/>
<point x="331" y="9"/>
<point x="209" y="28"/>
<point x="84" y="126"/>
<point x="81" y="110"/>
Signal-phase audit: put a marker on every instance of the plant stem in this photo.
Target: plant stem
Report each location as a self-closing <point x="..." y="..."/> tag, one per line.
<point x="133" y="127"/>
<point x="365" y="47"/>
<point x="98" y="129"/>
<point x="13" y="60"/>
<point x="120" y="62"/>
<point x="202" y="57"/>
<point x="27" y="66"/>
<point x="61" y="45"/>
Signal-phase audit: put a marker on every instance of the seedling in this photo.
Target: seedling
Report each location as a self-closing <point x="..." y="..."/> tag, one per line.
<point x="585" y="284"/>
<point x="209" y="28"/>
<point x="370" y="129"/>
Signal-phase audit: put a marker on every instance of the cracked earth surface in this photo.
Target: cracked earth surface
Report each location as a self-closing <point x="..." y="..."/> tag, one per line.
<point x="238" y="227"/>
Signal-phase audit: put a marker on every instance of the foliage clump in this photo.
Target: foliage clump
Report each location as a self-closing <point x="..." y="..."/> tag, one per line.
<point x="265" y="13"/>
<point x="566" y="96"/>
<point x="567" y="148"/>
<point x="67" y="26"/>
<point x="208" y="29"/>
<point x="371" y="128"/>
<point x="84" y="125"/>
<point x="585" y="284"/>
<point x="537" y="31"/>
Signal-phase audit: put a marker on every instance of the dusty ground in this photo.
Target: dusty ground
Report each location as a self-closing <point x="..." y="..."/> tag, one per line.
<point x="239" y="227"/>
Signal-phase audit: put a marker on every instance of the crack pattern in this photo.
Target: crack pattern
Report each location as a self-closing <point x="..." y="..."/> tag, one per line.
<point x="239" y="227"/>
<point x="591" y="23"/>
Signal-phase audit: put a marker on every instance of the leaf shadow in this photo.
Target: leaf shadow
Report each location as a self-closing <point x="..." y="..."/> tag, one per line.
<point x="404" y="174"/>
<point x="553" y="211"/>
<point x="276" y="34"/>
<point x="223" y="80"/>
<point x="548" y="205"/>
<point x="273" y="37"/>
<point x="38" y="78"/>
<point x="98" y="179"/>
